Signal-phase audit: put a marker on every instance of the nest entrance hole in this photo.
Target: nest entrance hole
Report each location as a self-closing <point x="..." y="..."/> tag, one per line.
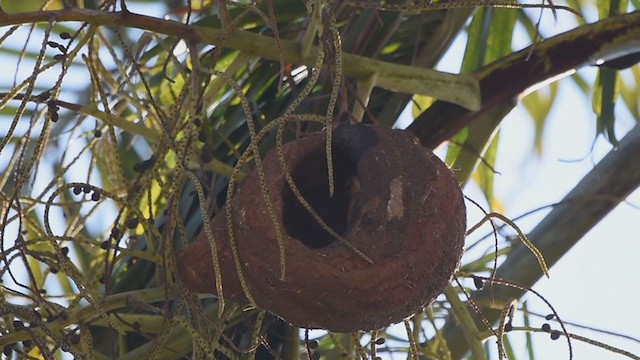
<point x="311" y="177"/>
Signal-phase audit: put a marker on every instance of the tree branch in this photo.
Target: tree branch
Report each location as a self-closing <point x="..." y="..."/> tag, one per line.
<point x="508" y="78"/>
<point x="461" y="89"/>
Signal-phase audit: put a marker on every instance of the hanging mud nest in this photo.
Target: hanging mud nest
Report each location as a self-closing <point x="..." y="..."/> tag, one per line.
<point x="394" y="201"/>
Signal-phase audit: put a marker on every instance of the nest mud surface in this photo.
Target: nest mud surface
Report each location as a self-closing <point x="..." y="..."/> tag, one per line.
<point x="394" y="201"/>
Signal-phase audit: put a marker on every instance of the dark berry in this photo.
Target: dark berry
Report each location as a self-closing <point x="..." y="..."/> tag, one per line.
<point x="479" y="283"/>
<point x="74" y="339"/>
<point x="202" y="137"/>
<point x="508" y="327"/>
<point x="555" y="334"/>
<point x="131" y="223"/>
<point x="206" y="155"/>
<point x="7" y="350"/>
<point x="144" y="165"/>
<point x="546" y="327"/>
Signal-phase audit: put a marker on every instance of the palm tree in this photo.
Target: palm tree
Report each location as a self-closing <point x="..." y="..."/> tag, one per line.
<point x="130" y="125"/>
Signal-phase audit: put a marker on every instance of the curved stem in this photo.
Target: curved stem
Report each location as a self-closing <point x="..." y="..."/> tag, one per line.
<point x="462" y="89"/>
<point x="466" y="324"/>
<point x="508" y="78"/>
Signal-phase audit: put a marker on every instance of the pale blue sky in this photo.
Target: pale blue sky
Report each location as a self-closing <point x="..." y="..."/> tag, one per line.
<point x="594" y="284"/>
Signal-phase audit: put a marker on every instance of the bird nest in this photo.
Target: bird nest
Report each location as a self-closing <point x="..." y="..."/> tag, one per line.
<point x="397" y="220"/>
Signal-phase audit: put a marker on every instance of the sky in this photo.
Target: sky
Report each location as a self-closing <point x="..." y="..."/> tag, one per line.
<point x="591" y="284"/>
<point x="594" y="284"/>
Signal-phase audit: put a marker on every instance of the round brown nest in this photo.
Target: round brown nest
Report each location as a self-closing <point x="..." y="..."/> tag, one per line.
<point x="394" y="201"/>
